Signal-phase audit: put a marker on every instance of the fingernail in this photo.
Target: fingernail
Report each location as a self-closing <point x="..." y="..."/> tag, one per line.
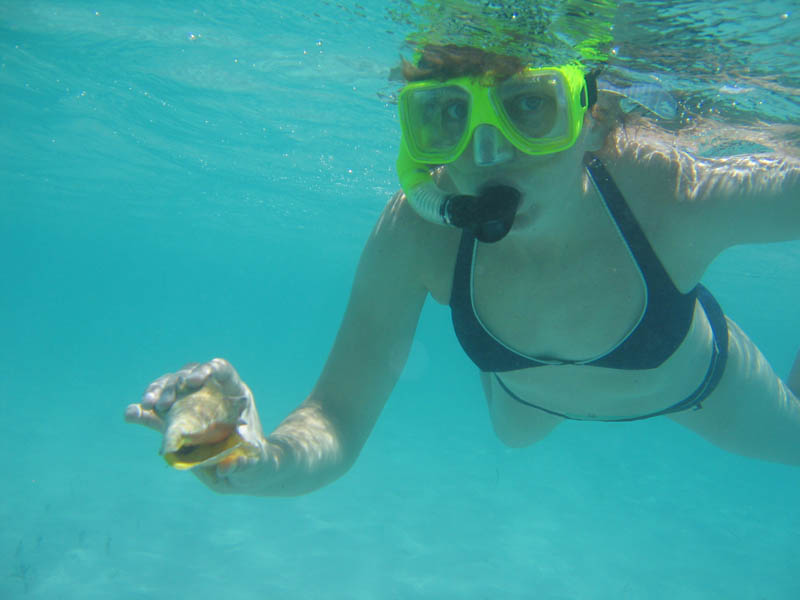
<point x="149" y="400"/>
<point x="133" y="412"/>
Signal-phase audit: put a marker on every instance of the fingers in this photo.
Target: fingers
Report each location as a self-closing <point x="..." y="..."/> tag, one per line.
<point x="227" y="377"/>
<point x="193" y="376"/>
<point x="164" y="391"/>
<point x="218" y="369"/>
<point x="197" y="376"/>
<point x="135" y="413"/>
<point x="160" y="395"/>
<point x="223" y="369"/>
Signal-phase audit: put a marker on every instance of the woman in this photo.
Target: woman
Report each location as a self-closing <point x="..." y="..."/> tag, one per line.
<point x="570" y="252"/>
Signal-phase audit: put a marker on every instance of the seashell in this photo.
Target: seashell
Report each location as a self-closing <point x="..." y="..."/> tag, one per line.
<point x="201" y="429"/>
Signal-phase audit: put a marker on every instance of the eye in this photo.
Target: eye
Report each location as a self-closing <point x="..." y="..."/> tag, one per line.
<point x="455" y="110"/>
<point x="528" y="103"/>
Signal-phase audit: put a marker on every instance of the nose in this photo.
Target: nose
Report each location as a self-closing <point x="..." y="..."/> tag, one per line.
<point x="490" y="147"/>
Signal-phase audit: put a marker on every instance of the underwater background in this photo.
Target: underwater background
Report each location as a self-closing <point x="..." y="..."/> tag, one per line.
<point x="185" y="180"/>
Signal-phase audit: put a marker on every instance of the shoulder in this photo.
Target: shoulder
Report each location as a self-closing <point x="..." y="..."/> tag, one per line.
<point x="405" y="243"/>
<point x="659" y="182"/>
<point x="728" y="200"/>
<point x="658" y="179"/>
<point x="673" y="160"/>
<point x="648" y="158"/>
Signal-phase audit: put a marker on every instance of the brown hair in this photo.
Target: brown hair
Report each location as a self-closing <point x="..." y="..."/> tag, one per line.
<point x="449" y="61"/>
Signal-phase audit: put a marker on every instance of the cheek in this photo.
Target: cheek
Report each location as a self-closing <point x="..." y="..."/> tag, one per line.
<point x="461" y="172"/>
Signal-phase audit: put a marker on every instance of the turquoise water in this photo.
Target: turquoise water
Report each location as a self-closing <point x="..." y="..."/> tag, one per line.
<point x="186" y="180"/>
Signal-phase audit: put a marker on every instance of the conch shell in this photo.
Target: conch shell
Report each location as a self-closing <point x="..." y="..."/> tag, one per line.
<point x="201" y="429"/>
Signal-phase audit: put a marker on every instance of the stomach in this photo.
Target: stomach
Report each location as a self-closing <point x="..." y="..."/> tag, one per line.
<point x="589" y="392"/>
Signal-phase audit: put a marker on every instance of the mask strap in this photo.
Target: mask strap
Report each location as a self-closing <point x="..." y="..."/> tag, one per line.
<point x="591" y="87"/>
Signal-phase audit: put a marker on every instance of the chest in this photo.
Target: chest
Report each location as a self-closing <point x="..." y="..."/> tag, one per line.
<point x="560" y="300"/>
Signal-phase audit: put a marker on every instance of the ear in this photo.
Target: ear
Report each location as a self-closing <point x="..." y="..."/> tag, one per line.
<point x="594" y="133"/>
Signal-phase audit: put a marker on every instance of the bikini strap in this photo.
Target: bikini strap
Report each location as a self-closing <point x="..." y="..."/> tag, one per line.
<point x="668" y="311"/>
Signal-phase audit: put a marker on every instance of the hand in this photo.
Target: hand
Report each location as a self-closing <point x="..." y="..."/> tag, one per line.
<point x="162" y="394"/>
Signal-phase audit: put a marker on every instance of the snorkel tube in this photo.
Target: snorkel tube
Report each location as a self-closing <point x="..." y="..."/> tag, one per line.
<point x="488" y="216"/>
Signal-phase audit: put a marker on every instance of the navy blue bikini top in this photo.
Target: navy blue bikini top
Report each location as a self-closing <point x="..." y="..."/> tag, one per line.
<point x="663" y="326"/>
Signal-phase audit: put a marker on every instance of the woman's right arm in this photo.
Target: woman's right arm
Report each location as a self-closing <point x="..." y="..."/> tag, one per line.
<point x="321" y="438"/>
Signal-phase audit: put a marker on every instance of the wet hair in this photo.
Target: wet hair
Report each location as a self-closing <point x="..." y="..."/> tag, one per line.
<point x="451" y="61"/>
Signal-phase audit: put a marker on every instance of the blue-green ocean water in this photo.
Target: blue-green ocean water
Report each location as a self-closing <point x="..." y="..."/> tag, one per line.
<point x="184" y="180"/>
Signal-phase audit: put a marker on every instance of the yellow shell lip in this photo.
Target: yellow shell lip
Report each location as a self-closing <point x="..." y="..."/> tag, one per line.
<point x="189" y="456"/>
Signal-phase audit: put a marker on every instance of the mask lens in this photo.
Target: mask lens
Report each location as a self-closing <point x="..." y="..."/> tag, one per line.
<point x="436" y="118"/>
<point x="535" y="106"/>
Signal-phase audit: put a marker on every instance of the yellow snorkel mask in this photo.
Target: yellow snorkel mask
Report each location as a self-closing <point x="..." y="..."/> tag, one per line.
<point x="539" y="111"/>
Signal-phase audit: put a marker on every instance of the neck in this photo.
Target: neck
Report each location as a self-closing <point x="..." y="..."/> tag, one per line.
<point x="556" y="202"/>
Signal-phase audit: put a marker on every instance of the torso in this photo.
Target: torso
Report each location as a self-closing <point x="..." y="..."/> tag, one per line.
<point x="575" y="295"/>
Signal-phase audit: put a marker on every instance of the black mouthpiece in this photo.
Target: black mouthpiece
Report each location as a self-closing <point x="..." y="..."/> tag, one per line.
<point x="489" y="216"/>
